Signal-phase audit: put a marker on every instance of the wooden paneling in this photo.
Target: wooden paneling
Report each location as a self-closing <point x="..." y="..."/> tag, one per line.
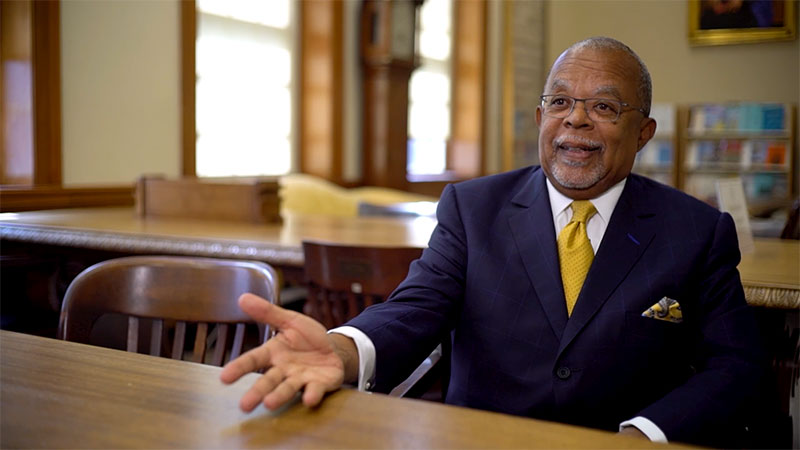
<point x="321" y="88"/>
<point x="46" y="46"/>
<point x="188" y="85"/>
<point x="465" y="155"/>
<point x="57" y="197"/>
<point x="16" y="119"/>
<point x="386" y="77"/>
<point x="386" y="124"/>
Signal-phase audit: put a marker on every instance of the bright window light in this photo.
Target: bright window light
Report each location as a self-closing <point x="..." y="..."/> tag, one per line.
<point x="429" y="92"/>
<point x="244" y="88"/>
<point x="272" y="13"/>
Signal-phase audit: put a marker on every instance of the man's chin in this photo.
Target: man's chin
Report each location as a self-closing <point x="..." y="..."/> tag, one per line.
<point x="576" y="178"/>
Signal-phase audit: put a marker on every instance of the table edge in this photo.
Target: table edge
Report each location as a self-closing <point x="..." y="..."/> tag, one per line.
<point x="127" y="242"/>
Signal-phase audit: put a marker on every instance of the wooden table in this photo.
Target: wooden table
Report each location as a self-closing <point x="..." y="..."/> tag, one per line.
<point x="121" y="229"/>
<point x="771" y="275"/>
<point x="59" y="394"/>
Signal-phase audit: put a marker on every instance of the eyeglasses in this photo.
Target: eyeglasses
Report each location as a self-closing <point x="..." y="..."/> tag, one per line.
<point x="598" y="109"/>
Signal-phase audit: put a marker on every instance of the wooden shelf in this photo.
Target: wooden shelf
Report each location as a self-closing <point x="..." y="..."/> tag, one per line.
<point x="758" y="135"/>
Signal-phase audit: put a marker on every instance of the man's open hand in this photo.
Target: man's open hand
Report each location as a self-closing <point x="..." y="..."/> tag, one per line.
<point x="302" y="356"/>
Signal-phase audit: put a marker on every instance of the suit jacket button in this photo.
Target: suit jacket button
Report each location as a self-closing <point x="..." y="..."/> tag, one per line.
<point x="563" y="373"/>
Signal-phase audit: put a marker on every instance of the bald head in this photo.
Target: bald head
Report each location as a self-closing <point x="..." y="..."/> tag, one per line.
<point x="644" y="88"/>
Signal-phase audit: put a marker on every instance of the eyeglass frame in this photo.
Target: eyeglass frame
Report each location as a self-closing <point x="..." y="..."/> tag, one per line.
<point x="586" y="110"/>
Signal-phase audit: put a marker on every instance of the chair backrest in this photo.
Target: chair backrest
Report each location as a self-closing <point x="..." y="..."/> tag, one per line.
<point x="792" y="228"/>
<point x="170" y="291"/>
<point x="344" y="279"/>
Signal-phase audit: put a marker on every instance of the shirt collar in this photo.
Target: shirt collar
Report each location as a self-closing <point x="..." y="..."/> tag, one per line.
<point x="604" y="203"/>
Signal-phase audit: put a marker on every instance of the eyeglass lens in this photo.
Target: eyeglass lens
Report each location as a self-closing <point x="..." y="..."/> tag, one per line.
<point x="598" y="109"/>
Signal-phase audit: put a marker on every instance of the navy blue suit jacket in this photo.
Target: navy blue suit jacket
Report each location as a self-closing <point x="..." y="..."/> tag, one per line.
<point x="490" y="280"/>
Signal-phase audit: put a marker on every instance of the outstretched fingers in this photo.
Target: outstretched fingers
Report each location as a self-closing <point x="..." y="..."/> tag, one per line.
<point x="259" y="390"/>
<point x="249" y="361"/>
<point x="313" y="393"/>
<point x="259" y="358"/>
<point x="263" y="311"/>
<point x="283" y="392"/>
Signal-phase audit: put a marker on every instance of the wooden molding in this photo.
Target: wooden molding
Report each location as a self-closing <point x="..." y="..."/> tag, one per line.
<point x="385" y="125"/>
<point x="46" y="73"/>
<point x="508" y="88"/>
<point x="14" y="199"/>
<point x="321" y="89"/>
<point x="188" y="85"/>
<point x="465" y="155"/>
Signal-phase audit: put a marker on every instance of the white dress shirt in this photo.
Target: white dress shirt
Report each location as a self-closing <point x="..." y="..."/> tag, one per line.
<point x="562" y="214"/>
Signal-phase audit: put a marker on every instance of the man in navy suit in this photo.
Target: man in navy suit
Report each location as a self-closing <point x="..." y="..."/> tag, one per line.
<point x="659" y="342"/>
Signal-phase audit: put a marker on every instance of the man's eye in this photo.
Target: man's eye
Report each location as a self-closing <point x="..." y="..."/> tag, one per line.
<point x="559" y="101"/>
<point x="605" y="107"/>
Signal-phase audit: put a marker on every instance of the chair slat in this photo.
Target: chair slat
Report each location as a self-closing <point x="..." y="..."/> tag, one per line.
<point x="133" y="334"/>
<point x="177" y="343"/>
<point x="352" y="306"/>
<point x="155" y="337"/>
<point x="327" y="299"/>
<point x="219" y="347"/>
<point x="238" y="341"/>
<point x="167" y="292"/>
<point x="200" y="343"/>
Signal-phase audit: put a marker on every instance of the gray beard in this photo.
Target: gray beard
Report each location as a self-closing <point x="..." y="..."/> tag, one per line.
<point x="572" y="180"/>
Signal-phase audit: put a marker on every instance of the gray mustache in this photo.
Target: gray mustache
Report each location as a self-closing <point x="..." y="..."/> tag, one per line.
<point x="580" y="140"/>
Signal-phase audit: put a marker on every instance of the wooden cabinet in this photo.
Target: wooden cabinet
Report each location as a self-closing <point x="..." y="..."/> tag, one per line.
<point x="388" y="54"/>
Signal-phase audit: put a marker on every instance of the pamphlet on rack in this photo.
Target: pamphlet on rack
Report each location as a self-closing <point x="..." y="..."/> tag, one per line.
<point x="731" y="199"/>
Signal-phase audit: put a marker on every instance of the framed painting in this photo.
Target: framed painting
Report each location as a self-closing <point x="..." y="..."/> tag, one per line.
<point x="720" y="22"/>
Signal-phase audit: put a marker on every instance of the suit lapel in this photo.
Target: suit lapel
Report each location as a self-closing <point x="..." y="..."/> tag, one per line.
<point x="628" y="234"/>
<point x="533" y="233"/>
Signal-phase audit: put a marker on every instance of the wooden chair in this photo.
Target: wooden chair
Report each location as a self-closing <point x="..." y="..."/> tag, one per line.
<point x="343" y="280"/>
<point x="792" y="228"/>
<point x="198" y="294"/>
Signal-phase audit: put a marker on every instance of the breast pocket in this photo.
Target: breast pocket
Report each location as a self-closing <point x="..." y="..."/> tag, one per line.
<point x="640" y="330"/>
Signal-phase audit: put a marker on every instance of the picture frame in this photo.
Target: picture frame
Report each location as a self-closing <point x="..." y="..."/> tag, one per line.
<point x="723" y="22"/>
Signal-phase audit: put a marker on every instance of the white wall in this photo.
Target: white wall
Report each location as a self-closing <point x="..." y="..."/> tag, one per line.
<point x="120" y="84"/>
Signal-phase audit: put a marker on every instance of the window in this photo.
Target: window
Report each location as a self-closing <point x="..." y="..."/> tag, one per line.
<point x="244" y="87"/>
<point x="429" y="92"/>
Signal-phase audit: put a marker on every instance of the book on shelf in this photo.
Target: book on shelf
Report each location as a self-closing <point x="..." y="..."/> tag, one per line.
<point x="656" y="153"/>
<point x="744" y="117"/>
<point x="742" y="153"/>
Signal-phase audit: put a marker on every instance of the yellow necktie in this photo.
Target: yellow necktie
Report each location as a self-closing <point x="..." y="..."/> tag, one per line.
<point x="575" y="252"/>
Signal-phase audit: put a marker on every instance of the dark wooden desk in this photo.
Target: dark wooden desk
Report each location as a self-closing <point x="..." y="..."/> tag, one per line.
<point x="60" y="394"/>
<point x="122" y="230"/>
<point x="771" y="275"/>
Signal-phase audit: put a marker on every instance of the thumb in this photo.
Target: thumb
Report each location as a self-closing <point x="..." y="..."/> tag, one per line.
<point x="261" y="310"/>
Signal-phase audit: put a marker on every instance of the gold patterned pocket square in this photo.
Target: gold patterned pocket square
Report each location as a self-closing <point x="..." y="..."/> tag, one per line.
<point x="666" y="309"/>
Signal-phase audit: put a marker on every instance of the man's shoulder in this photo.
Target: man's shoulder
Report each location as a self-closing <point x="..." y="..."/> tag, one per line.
<point x="503" y="180"/>
<point x="667" y="197"/>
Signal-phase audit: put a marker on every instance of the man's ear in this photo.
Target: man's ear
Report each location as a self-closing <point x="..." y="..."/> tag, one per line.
<point x="646" y="131"/>
<point x="539" y="116"/>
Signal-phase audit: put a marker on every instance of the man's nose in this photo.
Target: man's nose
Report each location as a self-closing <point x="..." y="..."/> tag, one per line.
<point x="578" y="117"/>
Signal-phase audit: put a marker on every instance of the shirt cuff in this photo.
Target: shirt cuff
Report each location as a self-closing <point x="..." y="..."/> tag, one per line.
<point x="647" y="427"/>
<point x="366" y="355"/>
